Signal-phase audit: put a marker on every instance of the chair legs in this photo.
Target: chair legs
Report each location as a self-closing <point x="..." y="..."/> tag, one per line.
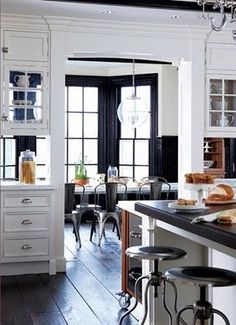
<point x="101" y="221"/>
<point x="76" y="225"/>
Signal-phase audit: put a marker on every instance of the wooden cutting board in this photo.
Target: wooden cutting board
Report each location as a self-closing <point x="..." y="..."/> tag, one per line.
<point x="208" y="202"/>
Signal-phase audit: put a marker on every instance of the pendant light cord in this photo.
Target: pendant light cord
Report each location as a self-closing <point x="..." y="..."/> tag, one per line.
<point x="133" y="78"/>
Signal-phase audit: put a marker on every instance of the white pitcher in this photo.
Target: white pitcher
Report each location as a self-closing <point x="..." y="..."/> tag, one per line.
<point x="227" y="120"/>
<point x="22" y="80"/>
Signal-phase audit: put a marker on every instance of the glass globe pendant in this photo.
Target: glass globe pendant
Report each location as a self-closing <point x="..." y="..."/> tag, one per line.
<point x="132" y="112"/>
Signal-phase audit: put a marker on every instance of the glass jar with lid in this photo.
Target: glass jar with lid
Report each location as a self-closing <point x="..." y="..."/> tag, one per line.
<point x="27" y="167"/>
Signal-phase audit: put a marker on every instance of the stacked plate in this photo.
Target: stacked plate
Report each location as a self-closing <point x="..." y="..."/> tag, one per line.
<point x="186" y="208"/>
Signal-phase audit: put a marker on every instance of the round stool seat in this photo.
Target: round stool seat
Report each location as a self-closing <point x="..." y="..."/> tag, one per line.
<point x="202" y="276"/>
<point x="155" y="252"/>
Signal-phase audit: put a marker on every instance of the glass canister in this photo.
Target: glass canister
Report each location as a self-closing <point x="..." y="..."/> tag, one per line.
<point x="112" y="174"/>
<point x="27" y="167"/>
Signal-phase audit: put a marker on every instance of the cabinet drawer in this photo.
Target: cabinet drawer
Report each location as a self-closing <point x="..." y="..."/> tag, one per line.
<point x="30" y="247"/>
<point x="26" y="199"/>
<point x="33" y="221"/>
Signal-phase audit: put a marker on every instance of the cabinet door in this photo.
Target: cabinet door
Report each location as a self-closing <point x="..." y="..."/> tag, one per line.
<point x="221" y="103"/>
<point x="25" y="100"/>
<point x="30" y="46"/>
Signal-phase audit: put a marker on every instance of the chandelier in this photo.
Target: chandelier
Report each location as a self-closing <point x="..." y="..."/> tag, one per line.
<point x="132" y="112"/>
<point x="222" y="5"/>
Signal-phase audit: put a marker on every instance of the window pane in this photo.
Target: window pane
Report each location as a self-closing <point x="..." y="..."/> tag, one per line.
<point x="10" y="172"/>
<point x="140" y="172"/>
<point x="126" y="152"/>
<point x="90" y="151"/>
<point x="127" y="132"/>
<point x="90" y="99"/>
<point x="75" y="98"/>
<point x="75" y="149"/>
<point x="126" y="171"/>
<point x="144" y="130"/>
<point x="41" y="152"/>
<point x="75" y="125"/>
<point x="90" y="125"/>
<point x="126" y="92"/>
<point x="141" y="152"/>
<point x="92" y="171"/>
<point x="10" y="151"/>
<point x="66" y="152"/>
<point x="144" y="93"/>
<point x="71" y="173"/>
<point x="41" y="171"/>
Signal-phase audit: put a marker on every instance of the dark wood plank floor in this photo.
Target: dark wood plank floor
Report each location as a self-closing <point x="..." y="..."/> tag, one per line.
<point x="84" y="295"/>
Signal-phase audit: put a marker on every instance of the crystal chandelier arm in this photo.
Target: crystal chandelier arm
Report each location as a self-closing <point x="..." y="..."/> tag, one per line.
<point x="223" y="21"/>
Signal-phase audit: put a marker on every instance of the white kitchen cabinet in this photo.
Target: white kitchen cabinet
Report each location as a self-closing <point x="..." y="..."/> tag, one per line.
<point x="221" y="104"/>
<point x="23" y="45"/>
<point x="26" y="218"/>
<point x="25" y="100"/>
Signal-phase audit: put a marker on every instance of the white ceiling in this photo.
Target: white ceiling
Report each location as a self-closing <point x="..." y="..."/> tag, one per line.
<point x="91" y="11"/>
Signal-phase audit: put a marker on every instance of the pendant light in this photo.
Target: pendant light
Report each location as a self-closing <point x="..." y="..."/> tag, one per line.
<point x="132" y="112"/>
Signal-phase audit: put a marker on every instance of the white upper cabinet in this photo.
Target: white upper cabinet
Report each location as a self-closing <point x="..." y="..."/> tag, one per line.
<point x="25" y="100"/>
<point x="21" y="46"/>
<point x="221" y="103"/>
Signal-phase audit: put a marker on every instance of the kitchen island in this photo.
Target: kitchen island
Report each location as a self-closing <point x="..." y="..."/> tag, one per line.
<point x="205" y="243"/>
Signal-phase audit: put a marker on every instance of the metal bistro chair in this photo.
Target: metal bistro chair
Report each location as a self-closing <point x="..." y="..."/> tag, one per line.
<point x="70" y="212"/>
<point x="153" y="190"/>
<point x="111" y="210"/>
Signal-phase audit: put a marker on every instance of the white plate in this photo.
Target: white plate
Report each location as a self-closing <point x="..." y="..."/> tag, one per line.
<point x="186" y="208"/>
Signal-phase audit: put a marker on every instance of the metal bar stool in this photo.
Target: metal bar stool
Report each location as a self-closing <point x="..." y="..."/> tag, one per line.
<point x="155" y="278"/>
<point x="204" y="277"/>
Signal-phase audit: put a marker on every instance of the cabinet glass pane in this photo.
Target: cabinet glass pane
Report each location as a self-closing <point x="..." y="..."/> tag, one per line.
<point x="215" y="86"/>
<point x="230" y="87"/>
<point x="230" y="103"/>
<point x="216" y="103"/>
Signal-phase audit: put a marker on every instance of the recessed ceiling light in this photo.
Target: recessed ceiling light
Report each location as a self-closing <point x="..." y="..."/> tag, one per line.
<point x="174" y="17"/>
<point x="106" y="12"/>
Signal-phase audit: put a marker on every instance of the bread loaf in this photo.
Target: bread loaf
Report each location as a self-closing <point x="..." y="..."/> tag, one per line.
<point x="221" y="192"/>
<point x="227" y="217"/>
<point x="181" y="201"/>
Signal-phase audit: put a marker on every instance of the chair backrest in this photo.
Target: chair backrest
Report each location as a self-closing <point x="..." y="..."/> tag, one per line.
<point x="111" y="194"/>
<point x="150" y="189"/>
<point x="70" y="196"/>
<point x="154" y="178"/>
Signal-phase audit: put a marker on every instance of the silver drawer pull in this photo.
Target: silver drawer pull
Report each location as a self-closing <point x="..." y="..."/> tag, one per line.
<point x="26" y="222"/>
<point x="26" y="246"/>
<point x="26" y="201"/>
<point x="135" y="234"/>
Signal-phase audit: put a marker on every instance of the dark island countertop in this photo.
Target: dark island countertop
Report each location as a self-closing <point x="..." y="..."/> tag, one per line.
<point x="224" y="235"/>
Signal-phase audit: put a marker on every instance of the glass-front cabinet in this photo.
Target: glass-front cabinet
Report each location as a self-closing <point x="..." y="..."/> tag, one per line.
<point x="25" y="100"/>
<point x="221" y="101"/>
